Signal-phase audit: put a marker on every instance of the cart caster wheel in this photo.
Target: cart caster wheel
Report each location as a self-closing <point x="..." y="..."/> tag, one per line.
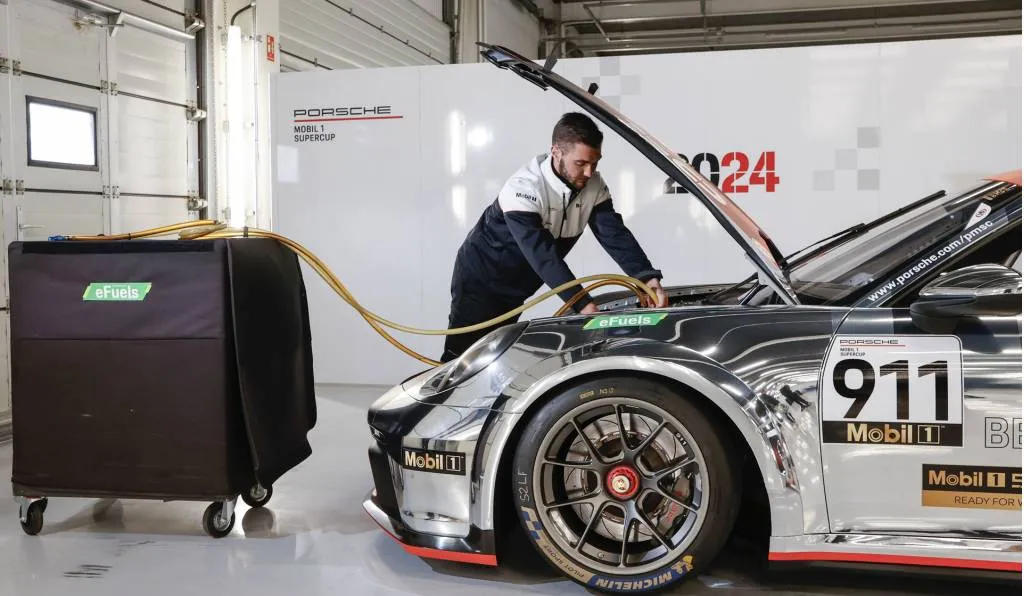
<point x="257" y="496"/>
<point x="34" y="522"/>
<point x="214" y="522"/>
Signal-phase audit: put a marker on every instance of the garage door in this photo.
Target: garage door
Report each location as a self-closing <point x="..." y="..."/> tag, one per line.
<point x="94" y="129"/>
<point x="365" y="34"/>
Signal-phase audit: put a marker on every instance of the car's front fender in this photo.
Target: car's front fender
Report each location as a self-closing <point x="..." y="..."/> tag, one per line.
<point x="748" y="412"/>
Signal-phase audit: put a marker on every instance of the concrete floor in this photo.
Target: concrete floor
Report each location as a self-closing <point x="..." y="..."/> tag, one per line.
<point x="313" y="538"/>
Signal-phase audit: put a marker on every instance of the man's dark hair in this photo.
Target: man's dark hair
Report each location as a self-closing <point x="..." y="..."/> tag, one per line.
<point x="575" y="127"/>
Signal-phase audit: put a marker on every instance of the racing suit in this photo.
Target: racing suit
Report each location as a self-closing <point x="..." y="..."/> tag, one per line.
<point x="520" y="242"/>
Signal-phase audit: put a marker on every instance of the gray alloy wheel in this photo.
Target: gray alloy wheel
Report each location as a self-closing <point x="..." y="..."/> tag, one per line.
<point x="621" y="482"/>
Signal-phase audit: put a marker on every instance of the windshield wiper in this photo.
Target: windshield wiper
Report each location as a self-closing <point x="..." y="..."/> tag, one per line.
<point x="824" y="244"/>
<point x="844" y="235"/>
<point x="710" y="299"/>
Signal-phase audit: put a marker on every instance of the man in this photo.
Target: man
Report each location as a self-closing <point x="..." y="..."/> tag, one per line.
<point x="521" y="240"/>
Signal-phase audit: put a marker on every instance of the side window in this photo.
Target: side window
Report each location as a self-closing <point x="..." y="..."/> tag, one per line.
<point x="61" y="135"/>
<point x="1004" y="248"/>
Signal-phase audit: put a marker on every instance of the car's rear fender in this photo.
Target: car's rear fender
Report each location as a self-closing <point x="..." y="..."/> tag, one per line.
<point x="748" y="413"/>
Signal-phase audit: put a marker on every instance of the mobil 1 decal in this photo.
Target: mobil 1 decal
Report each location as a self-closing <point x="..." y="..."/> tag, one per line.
<point x="972" y="487"/>
<point x="893" y="390"/>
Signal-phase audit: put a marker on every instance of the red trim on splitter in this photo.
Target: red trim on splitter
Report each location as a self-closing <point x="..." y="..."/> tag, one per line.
<point x="353" y="118"/>
<point x="896" y="560"/>
<point x="444" y="555"/>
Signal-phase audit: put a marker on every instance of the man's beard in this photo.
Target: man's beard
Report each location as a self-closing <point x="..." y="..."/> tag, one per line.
<point x="561" y="171"/>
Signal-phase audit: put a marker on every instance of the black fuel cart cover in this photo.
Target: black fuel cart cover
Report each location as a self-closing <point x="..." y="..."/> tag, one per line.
<point x="158" y="368"/>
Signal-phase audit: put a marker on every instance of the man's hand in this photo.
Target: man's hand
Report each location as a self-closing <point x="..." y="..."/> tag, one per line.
<point x="655" y="285"/>
<point x="589" y="309"/>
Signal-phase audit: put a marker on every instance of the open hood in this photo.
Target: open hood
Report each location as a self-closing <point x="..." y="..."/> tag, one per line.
<point x="755" y="242"/>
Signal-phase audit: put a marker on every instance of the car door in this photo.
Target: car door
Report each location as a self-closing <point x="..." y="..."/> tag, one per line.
<point x="921" y="431"/>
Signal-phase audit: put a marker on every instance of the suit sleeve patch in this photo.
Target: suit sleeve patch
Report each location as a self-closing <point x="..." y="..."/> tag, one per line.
<point x="519" y="195"/>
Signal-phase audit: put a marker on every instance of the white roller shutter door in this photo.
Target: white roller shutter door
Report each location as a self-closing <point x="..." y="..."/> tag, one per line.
<point x="366" y="34"/>
<point x="154" y="150"/>
<point x="94" y="133"/>
<point x="140" y="84"/>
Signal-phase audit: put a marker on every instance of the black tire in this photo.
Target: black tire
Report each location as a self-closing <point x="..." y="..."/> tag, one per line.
<point x="210" y="521"/>
<point x="698" y="509"/>
<point x="253" y="498"/>
<point x="34" y="524"/>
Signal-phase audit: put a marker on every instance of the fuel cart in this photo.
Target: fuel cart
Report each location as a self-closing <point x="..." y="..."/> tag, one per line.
<point x="157" y="369"/>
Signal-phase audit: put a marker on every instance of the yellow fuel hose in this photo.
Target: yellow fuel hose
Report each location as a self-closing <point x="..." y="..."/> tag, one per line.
<point x="211" y="229"/>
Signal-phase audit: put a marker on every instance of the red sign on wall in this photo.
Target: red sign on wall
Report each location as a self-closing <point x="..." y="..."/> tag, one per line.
<point x="271" y="50"/>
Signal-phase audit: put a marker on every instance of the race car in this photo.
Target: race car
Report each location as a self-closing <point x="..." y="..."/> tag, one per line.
<point x="867" y="390"/>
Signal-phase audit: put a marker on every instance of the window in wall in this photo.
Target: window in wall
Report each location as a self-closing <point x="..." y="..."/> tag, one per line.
<point x="61" y="135"/>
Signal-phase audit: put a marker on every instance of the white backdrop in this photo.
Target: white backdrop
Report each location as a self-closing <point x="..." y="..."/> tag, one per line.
<point x="853" y="130"/>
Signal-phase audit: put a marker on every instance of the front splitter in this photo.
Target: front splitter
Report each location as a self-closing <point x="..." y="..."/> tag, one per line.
<point x="428" y="546"/>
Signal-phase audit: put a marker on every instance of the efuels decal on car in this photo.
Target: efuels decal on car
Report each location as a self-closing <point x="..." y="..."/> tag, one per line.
<point x="893" y="390"/>
<point x="630" y="320"/>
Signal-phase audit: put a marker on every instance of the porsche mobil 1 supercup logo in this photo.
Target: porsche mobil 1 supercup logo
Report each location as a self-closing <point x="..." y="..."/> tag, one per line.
<point x="313" y="124"/>
<point x="440" y="462"/>
<point x="893" y="390"/>
<point x="975" y="487"/>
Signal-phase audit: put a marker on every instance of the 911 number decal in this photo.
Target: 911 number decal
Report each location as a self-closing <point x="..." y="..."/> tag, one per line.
<point x="893" y="390"/>
<point x="900" y="368"/>
<point x="736" y="181"/>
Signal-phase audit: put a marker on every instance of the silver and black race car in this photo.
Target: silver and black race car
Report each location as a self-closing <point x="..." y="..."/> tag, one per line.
<point x="865" y="393"/>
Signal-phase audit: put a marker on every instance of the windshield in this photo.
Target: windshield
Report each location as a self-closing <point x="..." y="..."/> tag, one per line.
<point x="841" y="271"/>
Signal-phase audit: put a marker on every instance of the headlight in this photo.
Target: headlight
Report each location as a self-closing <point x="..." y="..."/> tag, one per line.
<point x="478" y="357"/>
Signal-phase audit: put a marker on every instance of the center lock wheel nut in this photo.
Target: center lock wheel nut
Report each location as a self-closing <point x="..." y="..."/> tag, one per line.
<point x="622" y="482"/>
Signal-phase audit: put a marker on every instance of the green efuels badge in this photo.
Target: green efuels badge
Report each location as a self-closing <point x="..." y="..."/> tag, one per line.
<point x="635" y="320"/>
<point x="116" y="292"/>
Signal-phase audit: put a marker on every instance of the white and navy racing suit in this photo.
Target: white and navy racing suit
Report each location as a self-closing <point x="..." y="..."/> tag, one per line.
<point x="521" y="240"/>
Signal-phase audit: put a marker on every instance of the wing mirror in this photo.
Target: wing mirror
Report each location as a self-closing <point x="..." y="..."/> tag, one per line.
<point x="975" y="291"/>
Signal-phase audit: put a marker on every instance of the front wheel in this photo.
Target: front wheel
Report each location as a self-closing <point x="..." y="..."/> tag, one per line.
<point x="624" y="485"/>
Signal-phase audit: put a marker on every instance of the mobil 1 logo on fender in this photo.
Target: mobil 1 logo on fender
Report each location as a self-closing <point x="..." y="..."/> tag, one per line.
<point x="893" y="390"/>
<point x="439" y="462"/>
